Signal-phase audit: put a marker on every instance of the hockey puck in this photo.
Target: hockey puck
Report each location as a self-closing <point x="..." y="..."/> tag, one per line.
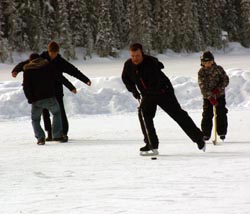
<point x="154" y="158"/>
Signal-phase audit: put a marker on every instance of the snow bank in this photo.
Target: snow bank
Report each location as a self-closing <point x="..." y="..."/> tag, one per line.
<point x="107" y="95"/>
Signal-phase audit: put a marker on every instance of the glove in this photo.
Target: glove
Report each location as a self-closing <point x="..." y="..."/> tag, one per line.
<point x="14" y="74"/>
<point x="213" y="101"/>
<point x="216" y="91"/>
<point x="136" y="95"/>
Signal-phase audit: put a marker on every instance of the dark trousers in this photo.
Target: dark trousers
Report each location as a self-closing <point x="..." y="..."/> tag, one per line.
<point x="207" y="117"/>
<point x="47" y="121"/>
<point x="171" y="106"/>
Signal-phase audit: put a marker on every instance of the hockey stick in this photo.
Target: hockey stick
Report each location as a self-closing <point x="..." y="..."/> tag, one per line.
<point x="145" y="127"/>
<point x="215" y="125"/>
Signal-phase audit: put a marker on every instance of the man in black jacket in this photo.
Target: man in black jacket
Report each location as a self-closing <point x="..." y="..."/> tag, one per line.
<point x="39" y="89"/>
<point x="143" y="72"/>
<point x="60" y="66"/>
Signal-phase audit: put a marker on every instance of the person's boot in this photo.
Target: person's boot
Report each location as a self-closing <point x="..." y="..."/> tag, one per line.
<point x="49" y="137"/>
<point x="201" y="145"/>
<point x="62" y="139"/>
<point x="223" y="137"/>
<point x="147" y="151"/>
<point x="206" y="138"/>
<point x="41" y="141"/>
<point x="145" y="148"/>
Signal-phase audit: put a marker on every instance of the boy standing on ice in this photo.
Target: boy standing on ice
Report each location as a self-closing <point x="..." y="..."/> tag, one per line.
<point x="213" y="80"/>
<point x="39" y="89"/>
<point x="143" y="72"/>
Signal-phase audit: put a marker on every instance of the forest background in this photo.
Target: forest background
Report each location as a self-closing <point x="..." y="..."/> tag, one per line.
<point x="105" y="27"/>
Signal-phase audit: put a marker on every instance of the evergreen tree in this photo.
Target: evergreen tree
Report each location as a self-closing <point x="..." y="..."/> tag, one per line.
<point x="13" y="29"/>
<point x="169" y="23"/>
<point x="145" y="27"/>
<point x="31" y="24"/>
<point x="80" y="25"/>
<point x="92" y="12"/>
<point x="178" y="11"/>
<point x="3" y="41"/>
<point x="191" y="39"/>
<point x="230" y="20"/>
<point x="210" y="22"/>
<point x="198" y="41"/>
<point x="48" y="17"/>
<point x="245" y="22"/>
<point x="108" y="26"/>
<point x="214" y="24"/>
<point x="64" y="32"/>
<point x="160" y="26"/>
<point x="104" y="39"/>
<point x="140" y="23"/>
<point x="133" y="22"/>
<point x="119" y="23"/>
<point x="77" y="19"/>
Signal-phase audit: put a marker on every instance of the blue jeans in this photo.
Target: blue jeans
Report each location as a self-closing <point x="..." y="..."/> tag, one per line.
<point x="52" y="105"/>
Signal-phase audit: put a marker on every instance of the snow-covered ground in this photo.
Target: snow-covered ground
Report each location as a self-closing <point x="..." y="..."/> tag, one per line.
<point x="100" y="171"/>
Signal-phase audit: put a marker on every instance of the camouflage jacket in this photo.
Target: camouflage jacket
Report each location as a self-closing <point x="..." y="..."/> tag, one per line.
<point x="213" y="78"/>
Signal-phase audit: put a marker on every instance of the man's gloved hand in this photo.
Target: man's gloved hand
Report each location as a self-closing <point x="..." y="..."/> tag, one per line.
<point x="136" y="95"/>
<point x="14" y="74"/>
<point x="213" y="101"/>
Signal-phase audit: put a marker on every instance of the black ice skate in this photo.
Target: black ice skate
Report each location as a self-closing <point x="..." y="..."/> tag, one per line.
<point x="147" y="151"/>
<point x="201" y="145"/>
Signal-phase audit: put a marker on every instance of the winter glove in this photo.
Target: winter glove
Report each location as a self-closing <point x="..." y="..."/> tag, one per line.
<point x="216" y="91"/>
<point x="213" y="101"/>
<point x="14" y="74"/>
<point x="74" y="91"/>
<point x="136" y="95"/>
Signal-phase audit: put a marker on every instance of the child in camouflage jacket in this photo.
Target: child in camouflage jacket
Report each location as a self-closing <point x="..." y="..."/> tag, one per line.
<point x="213" y="80"/>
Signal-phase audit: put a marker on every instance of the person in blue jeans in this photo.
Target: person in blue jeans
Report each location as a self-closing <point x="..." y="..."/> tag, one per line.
<point x="52" y="105"/>
<point x="60" y="66"/>
<point x="39" y="89"/>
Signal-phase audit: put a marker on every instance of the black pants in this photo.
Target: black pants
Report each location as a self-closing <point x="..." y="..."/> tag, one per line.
<point x="171" y="106"/>
<point x="207" y="117"/>
<point x="47" y="121"/>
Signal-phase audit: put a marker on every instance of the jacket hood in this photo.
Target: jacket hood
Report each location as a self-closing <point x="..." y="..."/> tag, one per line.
<point x="36" y="64"/>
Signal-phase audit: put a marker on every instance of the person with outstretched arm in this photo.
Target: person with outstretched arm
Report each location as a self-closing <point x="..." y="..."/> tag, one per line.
<point x="143" y="77"/>
<point x="60" y="66"/>
<point x="39" y="89"/>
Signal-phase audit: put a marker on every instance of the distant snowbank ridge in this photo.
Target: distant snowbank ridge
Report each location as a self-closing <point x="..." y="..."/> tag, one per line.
<point x="109" y="96"/>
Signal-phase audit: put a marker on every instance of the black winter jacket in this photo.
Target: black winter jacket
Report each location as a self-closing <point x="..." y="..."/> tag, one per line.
<point x="60" y="65"/>
<point x="147" y="77"/>
<point x="60" y="80"/>
<point x="38" y="80"/>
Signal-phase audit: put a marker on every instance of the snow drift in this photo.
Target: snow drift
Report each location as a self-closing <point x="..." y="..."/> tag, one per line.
<point x="107" y="95"/>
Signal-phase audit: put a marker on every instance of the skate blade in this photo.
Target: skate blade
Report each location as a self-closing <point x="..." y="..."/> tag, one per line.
<point x="204" y="148"/>
<point x="153" y="152"/>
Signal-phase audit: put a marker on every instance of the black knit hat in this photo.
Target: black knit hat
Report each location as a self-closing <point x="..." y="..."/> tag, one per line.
<point x="207" y="56"/>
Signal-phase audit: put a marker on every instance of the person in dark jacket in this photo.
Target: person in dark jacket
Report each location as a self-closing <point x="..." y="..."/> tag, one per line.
<point x="143" y="77"/>
<point x="60" y="66"/>
<point x="39" y="89"/>
<point x="213" y="80"/>
<point x="46" y="116"/>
